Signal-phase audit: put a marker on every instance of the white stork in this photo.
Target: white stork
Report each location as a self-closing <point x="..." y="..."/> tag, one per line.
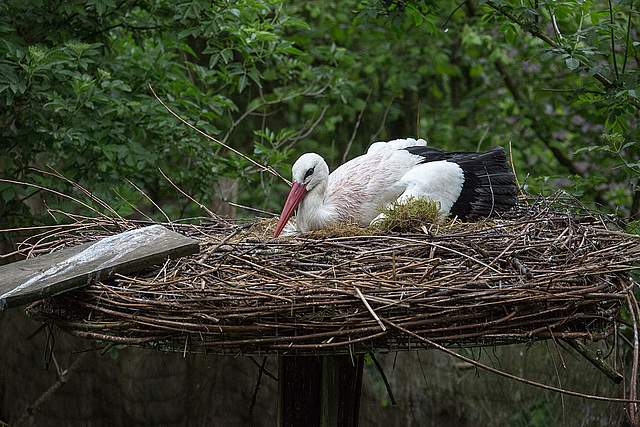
<point x="467" y="185"/>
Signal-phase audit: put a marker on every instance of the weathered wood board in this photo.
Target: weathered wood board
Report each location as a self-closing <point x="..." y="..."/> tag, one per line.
<point x="29" y="280"/>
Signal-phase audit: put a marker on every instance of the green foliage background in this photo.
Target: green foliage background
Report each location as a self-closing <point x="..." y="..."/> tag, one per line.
<point x="556" y="82"/>
<point x="275" y="79"/>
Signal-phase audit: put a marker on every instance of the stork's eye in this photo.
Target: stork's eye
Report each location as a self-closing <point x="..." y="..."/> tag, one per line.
<point x="309" y="173"/>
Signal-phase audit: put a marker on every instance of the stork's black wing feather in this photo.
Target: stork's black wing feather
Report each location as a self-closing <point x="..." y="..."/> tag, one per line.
<point x="489" y="184"/>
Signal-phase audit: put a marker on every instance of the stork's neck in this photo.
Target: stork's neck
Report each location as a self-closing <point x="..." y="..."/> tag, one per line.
<point x="313" y="212"/>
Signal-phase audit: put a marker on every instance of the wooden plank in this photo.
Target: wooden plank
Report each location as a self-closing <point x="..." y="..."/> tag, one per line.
<point x="33" y="279"/>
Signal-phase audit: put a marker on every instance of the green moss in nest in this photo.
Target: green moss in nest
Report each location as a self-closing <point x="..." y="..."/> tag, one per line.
<point x="409" y="216"/>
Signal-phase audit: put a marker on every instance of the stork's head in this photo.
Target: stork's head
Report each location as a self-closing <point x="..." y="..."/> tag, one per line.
<point x="308" y="172"/>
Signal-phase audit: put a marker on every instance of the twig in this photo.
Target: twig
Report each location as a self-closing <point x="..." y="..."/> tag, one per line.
<point x="635" y="313"/>
<point x="452" y="13"/>
<point x="418" y="120"/>
<point x="603" y="366"/>
<point x="537" y="33"/>
<point x="27" y="415"/>
<point x="486" y="131"/>
<point x="135" y="208"/>
<point x="373" y="313"/>
<point x="302" y="133"/>
<point x="628" y="37"/>
<point x="87" y="193"/>
<point x="556" y="30"/>
<point x="555" y="367"/>
<point x="150" y="200"/>
<point x="507" y="375"/>
<point x="613" y="40"/>
<point x="384" y="379"/>
<point x="355" y="129"/>
<point x="513" y="169"/>
<point x="200" y="205"/>
<point x="249" y="208"/>
<point x="383" y="122"/>
<point x="66" y="196"/>
<point x="235" y="123"/>
<point x="264" y="168"/>
<point x="261" y="370"/>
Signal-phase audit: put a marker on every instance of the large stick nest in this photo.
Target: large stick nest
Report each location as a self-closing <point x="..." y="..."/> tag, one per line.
<point x="543" y="270"/>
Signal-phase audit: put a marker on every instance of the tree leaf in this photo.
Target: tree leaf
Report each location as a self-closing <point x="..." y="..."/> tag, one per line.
<point x="546" y="56"/>
<point x="572" y="63"/>
<point x="242" y="83"/>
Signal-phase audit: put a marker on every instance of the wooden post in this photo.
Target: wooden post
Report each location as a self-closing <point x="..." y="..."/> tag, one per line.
<point x="341" y="389"/>
<point x="299" y="392"/>
<point x="319" y="391"/>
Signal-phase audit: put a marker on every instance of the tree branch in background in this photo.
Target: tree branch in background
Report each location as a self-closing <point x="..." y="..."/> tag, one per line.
<point x="562" y="158"/>
<point x="27" y="416"/>
<point x="613" y="40"/>
<point x="244" y="156"/>
<point x="355" y="129"/>
<point x="635" y="203"/>
<point x="535" y="31"/>
<point x="264" y="103"/>
<point x="384" y="120"/>
<point x="304" y="132"/>
<point x="560" y="155"/>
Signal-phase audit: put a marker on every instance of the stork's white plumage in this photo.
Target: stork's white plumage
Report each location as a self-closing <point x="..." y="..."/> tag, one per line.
<point x="468" y="185"/>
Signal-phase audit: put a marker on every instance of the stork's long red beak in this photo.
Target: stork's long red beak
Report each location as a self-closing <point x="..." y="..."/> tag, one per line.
<point x="296" y="195"/>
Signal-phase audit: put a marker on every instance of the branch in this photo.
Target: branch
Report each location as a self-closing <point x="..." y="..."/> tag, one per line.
<point x="302" y="133"/>
<point x="537" y="128"/>
<point x="355" y="129"/>
<point x="244" y="156"/>
<point x="562" y="158"/>
<point x="26" y="417"/>
<point x="507" y="375"/>
<point x="384" y="379"/>
<point x="633" y="408"/>
<point x="626" y="50"/>
<point x="452" y="13"/>
<point x="200" y="205"/>
<point x="613" y="40"/>
<point x="235" y="123"/>
<point x="384" y="120"/>
<point x="535" y="31"/>
<point x="635" y="202"/>
<point x="595" y="360"/>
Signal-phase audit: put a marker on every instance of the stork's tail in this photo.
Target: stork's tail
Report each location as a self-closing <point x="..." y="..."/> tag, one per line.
<point x="489" y="186"/>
